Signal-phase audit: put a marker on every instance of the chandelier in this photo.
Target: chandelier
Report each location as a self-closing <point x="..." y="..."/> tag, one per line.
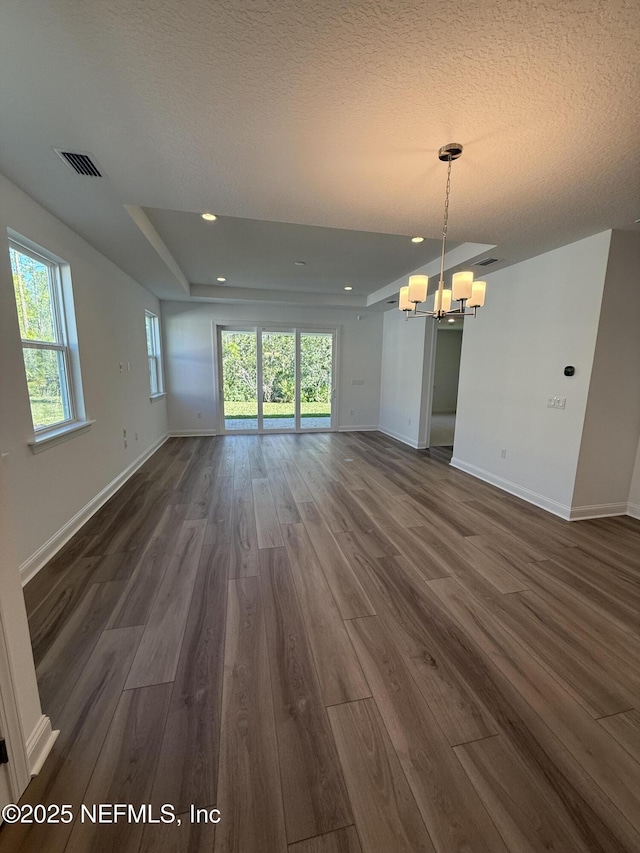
<point x="469" y="294"/>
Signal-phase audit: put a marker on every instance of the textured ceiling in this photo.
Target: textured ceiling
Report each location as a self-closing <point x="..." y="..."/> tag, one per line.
<point x="257" y="254"/>
<point x="327" y="114"/>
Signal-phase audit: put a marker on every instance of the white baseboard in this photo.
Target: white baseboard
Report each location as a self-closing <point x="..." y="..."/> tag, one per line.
<point x="36" y="561"/>
<point x="633" y="510"/>
<point x="191" y="433"/>
<point x="514" y="489"/>
<point x="411" y="442"/>
<point x="599" y="511"/>
<point x="358" y="428"/>
<point x="39" y="744"/>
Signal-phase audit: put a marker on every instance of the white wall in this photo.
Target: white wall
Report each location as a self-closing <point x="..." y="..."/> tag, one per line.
<point x="188" y="346"/>
<point x="447" y="370"/>
<point x="405" y="397"/>
<point x="45" y="491"/>
<point x="49" y="488"/>
<point x="612" y="424"/>
<point x="540" y="315"/>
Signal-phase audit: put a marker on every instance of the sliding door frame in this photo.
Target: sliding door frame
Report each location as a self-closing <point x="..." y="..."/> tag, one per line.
<point x="258" y="329"/>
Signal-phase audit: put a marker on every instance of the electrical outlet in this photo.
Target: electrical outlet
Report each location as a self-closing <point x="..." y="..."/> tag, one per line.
<point x="125" y="444"/>
<point x="136" y="435"/>
<point x="124" y="433"/>
<point x="198" y="414"/>
<point x="352" y="411"/>
<point x="556" y="402"/>
<point x="503" y="453"/>
<point x="121" y="367"/>
<point x="128" y="366"/>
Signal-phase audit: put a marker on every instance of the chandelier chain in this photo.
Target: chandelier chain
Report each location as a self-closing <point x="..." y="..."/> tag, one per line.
<point x="445" y="223"/>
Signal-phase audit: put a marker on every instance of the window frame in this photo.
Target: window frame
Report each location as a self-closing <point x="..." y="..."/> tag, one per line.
<point x="60" y="322"/>
<point x="156" y="355"/>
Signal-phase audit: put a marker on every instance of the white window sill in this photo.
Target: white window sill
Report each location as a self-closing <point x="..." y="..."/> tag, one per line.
<point x="159" y="396"/>
<point x="57" y="436"/>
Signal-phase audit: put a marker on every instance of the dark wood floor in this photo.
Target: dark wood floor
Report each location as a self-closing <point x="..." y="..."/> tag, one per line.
<point x="344" y="645"/>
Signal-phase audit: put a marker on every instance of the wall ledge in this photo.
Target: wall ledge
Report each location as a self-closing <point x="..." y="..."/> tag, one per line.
<point x="40" y="743"/>
<point x="598" y="511"/>
<point x="39" y="558"/>
<point x="633" y="510"/>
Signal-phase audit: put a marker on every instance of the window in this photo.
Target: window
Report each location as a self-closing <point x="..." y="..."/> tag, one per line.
<point x="44" y="316"/>
<point x="154" y="353"/>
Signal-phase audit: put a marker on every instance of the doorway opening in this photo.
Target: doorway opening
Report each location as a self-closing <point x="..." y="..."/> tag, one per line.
<point x="276" y="380"/>
<point x="446" y="375"/>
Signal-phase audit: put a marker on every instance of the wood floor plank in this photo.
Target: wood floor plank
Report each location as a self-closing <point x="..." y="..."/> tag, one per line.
<point x="187" y="769"/>
<point x="242" y="470"/>
<point x="248" y="780"/>
<point x="45" y="581"/>
<point x="84" y="722"/>
<point x="124" y="771"/>
<point x="406" y="608"/>
<point x="582" y="609"/>
<point x="525" y="697"/>
<point x="181" y="836"/>
<point x="299" y="488"/>
<point x="339" y="672"/>
<point x="341" y="841"/>
<point x="625" y="728"/>
<point x="244" y="537"/>
<point x="256" y="459"/>
<point x="267" y="524"/>
<point x="286" y="507"/>
<point x="157" y="657"/>
<point x="219" y="511"/>
<point x="199" y="497"/>
<point x="62" y="665"/>
<point x="137" y="598"/>
<point x="314" y="794"/>
<point x="452" y="812"/>
<point x="492" y="565"/>
<point x="351" y="598"/>
<point x="387" y="817"/>
<point x="530" y="820"/>
<point x="46" y="622"/>
<point x="591" y="674"/>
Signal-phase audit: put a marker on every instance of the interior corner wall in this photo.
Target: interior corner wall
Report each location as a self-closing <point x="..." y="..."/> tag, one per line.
<point x="612" y="422"/>
<point x="633" y="505"/>
<point x="540" y="315"/>
<point x="405" y="395"/>
<point x="50" y="489"/>
<point x="189" y="365"/>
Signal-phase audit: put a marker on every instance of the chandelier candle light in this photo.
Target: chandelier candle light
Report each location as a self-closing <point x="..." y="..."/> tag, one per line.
<point x="464" y="290"/>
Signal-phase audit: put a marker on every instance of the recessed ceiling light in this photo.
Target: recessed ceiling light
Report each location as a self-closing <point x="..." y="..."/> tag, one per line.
<point x="221" y="278"/>
<point x="348" y="287"/>
<point x="417" y="239"/>
<point x="451" y="320"/>
<point x="210" y="217"/>
<point x="299" y="263"/>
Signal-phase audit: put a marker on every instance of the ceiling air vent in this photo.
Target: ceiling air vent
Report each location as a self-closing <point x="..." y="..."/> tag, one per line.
<point x="485" y="262"/>
<point x="80" y="162"/>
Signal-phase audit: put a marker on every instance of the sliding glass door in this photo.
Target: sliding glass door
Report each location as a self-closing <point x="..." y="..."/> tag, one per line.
<point x="276" y="380"/>
<point x="316" y="380"/>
